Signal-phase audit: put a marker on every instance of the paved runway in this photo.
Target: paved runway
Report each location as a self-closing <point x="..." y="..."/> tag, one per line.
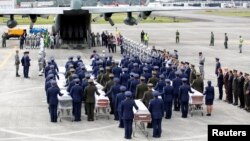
<point x="24" y="112"/>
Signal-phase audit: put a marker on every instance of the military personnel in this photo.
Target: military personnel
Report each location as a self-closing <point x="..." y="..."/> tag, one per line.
<point x="168" y="96"/>
<point x="17" y="63"/>
<point x="106" y="77"/>
<point x="193" y="74"/>
<point x="117" y="71"/>
<point x="241" y="80"/>
<point x="142" y="36"/>
<point x="134" y="84"/>
<point x="156" y="108"/>
<point x="177" y="82"/>
<point x="212" y="39"/>
<point x="241" y="40"/>
<point x="26" y="64"/>
<point x="226" y="41"/>
<point x="107" y="87"/>
<point x="246" y="95"/>
<point x="198" y="85"/>
<point x="220" y="83"/>
<point x="235" y="88"/>
<point x="230" y="87"/>
<point x="68" y="63"/>
<point x="201" y="64"/>
<point x="177" y="38"/>
<point x="89" y="97"/>
<point x="209" y="92"/>
<point x="76" y="94"/>
<point x="119" y="98"/>
<point x="225" y="81"/>
<point x="100" y="75"/>
<point x="184" y="97"/>
<point x="52" y="93"/>
<point x="153" y="79"/>
<point x="160" y="84"/>
<point x="4" y="38"/>
<point x="124" y="77"/>
<point x="141" y="88"/>
<point x="127" y="113"/>
<point x="217" y="66"/>
<point x="146" y="38"/>
<point x="148" y="95"/>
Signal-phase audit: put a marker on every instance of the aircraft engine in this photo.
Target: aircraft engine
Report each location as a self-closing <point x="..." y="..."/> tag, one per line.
<point x="130" y="20"/>
<point x="11" y="23"/>
<point x="145" y="15"/>
<point x="33" y="18"/>
<point x="107" y="17"/>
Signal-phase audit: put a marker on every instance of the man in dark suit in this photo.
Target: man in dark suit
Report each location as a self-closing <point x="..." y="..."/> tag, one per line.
<point x="235" y="88"/>
<point x="241" y="80"/>
<point x="217" y="66"/>
<point x="76" y="94"/>
<point x="119" y="98"/>
<point x="230" y="87"/>
<point x="128" y="114"/>
<point x="156" y="108"/>
<point x="52" y="93"/>
<point x="168" y="95"/>
<point x="184" y="97"/>
<point x="225" y="81"/>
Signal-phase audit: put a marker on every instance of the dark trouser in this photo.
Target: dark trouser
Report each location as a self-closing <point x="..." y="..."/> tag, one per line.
<point x="110" y="48"/>
<point x="77" y="110"/>
<point x="184" y="108"/>
<point x="242" y="101"/>
<point x="4" y="43"/>
<point x="111" y="106"/>
<point x="26" y="71"/>
<point x="103" y="42"/>
<point x="230" y="95"/>
<point x="220" y="91"/>
<point x="21" y="45"/>
<point x="176" y="102"/>
<point x="225" y="44"/>
<point x="115" y="111"/>
<point x="17" y="69"/>
<point x="53" y="112"/>
<point x="122" y="50"/>
<point x="121" y="123"/>
<point x="128" y="123"/>
<point x="177" y="39"/>
<point x="212" y="42"/>
<point x="156" y="127"/>
<point x="90" y="107"/>
<point x="236" y="95"/>
<point x="226" y="91"/>
<point x="106" y="44"/>
<point x="168" y="108"/>
<point x="246" y="100"/>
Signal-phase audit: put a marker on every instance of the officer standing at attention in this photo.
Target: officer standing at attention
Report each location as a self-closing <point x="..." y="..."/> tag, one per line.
<point x="119" y="98"/>
<point x="184" y="97"/>
<point x="212" y="39"/>
<point x="226" y="41"/>
<point x="177" y="82"/>
<point x="26" y="64"/>
<point x="198" y="83"/>
<point x="153" y="79"/>
<point x="4" y="38"/>
<point x="156" y="108"/>
<point x="53" y="100"/>
<point x="177" y="40"/>
<point x="218" y="66"/>
<point x="89" y="97"/>
<point x="235" y="87"/>
<point x="128" y="113"/>
<point x="241" y="40"/>
<point x="209" y="92"/>
<point x="76" y="94"/>
<point x="17" y="63"/>
<point x="168" y="95"/>
<point x="141" y="88"/>
<point x="148" y="95"/>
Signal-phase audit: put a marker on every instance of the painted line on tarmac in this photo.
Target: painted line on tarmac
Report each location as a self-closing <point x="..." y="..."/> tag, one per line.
<point x="10" y="54"/>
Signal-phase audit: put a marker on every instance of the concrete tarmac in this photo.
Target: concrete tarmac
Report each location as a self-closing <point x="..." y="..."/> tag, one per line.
<point x="24" y="112"/>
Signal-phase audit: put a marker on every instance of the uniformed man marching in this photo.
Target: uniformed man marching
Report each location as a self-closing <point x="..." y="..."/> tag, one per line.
<point x="156" y="108"/>
<point x="89" y="98"/>
<point x="52" y="93"/>
<point x="76" y="94"/>
<point x="168" y="96"/>
<point x="184" y="97"/>
<point x="198" y="83"/>
<point x="119" y="98"/>
<point x="141" y="89"/>
<point x="148" y="95"/>
<point x="17" y="63"/>
<point x="128" y="114"/>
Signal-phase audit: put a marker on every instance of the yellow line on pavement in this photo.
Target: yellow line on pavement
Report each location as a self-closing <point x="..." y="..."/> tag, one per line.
<point x="10" y="54"/>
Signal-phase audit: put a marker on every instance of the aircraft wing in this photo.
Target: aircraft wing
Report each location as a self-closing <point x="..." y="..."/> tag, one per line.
<point x="35" y="11"/>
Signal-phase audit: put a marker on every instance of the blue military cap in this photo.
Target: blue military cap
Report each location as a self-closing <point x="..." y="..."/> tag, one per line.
<point x="148" y="61"/>
<point x="52" y="66"/>
<point x="123" y="88"/>
<point x="162" y="76"/>
<point x="127" y="57"/>
<point x="128" y="94"/>
<point x="101" y="69"/>
<point x="87" y="75"/>
<point x="53" y="82"/>
<point x="132" y="74"/>
<point x="78" y="56"/>
<point x="135" y="64"/>
<point x="125" y="69"/>
<point x="156" y="67"/>
<point x="116" y="79"/>
<point x="167" y="80"/>
<point x="136" y="75"/>
<point x="82" y="66"/>
<point x="177" y="73"/>
<point x="49" y="62"/>
<point x="184" y="79"/>
<point x="71" y="65"/>
<point x="50" y="76"/>
<point x="99" y="62"/>
<point x="77" y="80"/>
<point x="74" y="76"/>
<point x="52" y="58"/>
<point x="79" y="63"/>
<point x="156" y="93"/>
<point x="145" y="69"/>
<point x="70" y="57"/>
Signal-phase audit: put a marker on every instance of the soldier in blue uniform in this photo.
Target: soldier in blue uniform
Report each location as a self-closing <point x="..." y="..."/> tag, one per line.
<point x="209" y="92"/>
<point x="26" y="64"/>
<point x="72" y="82"/>
<point x="78" y="60"/>
<point x="177" y="82"/>
<point x="187" y="71"/>
<point x="146" y="74"/>
<point x="76" y="93"/>
<point x="53" y="92"/>
<point x="168" y="95"/>
<point x="117" y="71"/>
<point x="53" y="62"/>
<point x="161" y="84"/>
<point x="134" y="84"/>
<point x="70" y="61"/>
<point x="114" y="90"/>
<point x="128" y="114"/>
<point x="156" y="108"/>
<point x="52" y="69"/>
<point x="47" y="68"/>
<point x="119" y="98"/>
<point x="184" y="97"/>
<point x="136" y="69"/>
<point x="124" y="77"/>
